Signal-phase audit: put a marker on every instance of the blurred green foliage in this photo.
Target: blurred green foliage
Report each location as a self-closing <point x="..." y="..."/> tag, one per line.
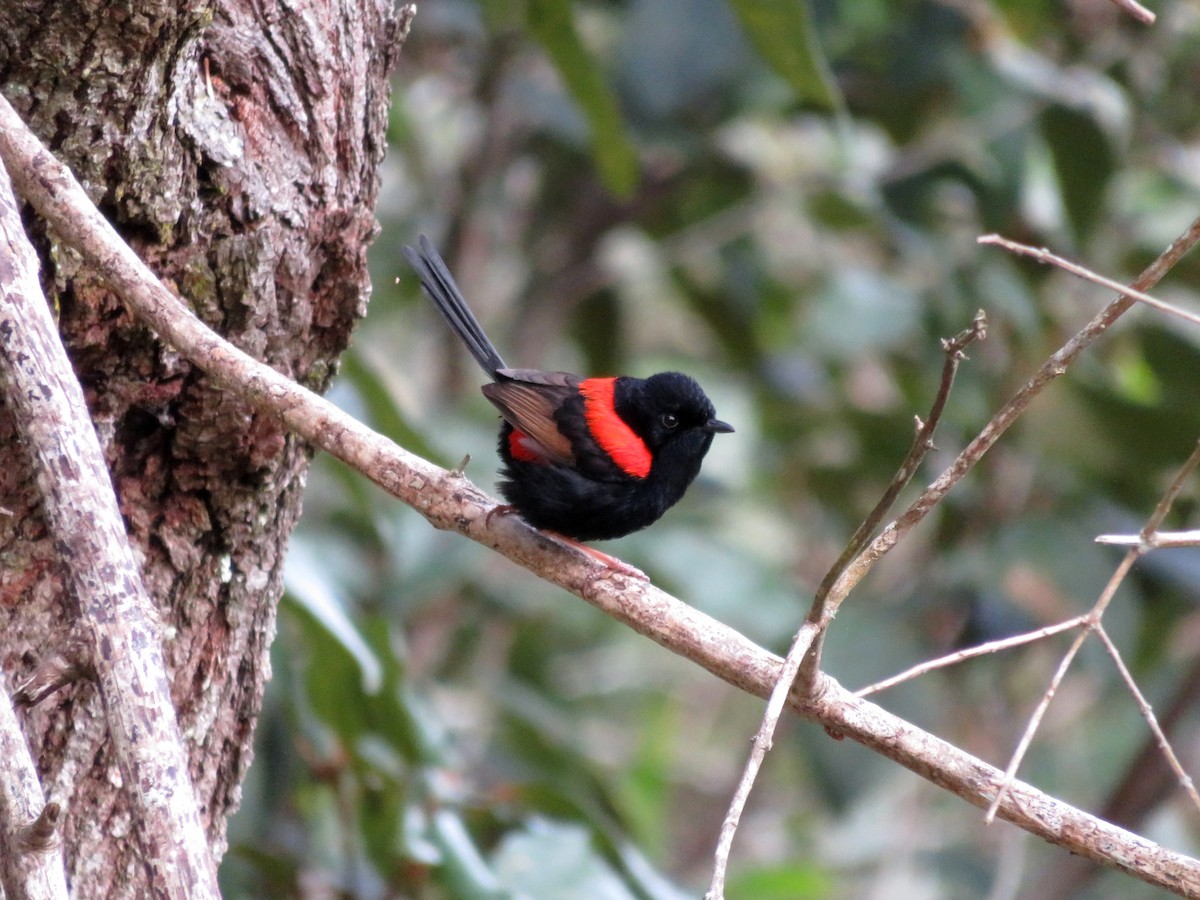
<point x="782" y="199"/>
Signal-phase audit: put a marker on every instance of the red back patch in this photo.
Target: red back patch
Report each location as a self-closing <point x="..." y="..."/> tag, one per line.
<point x="614" y="436"/>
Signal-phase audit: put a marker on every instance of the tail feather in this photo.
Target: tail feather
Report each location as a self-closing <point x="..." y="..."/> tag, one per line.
<point x="440" y="287"/>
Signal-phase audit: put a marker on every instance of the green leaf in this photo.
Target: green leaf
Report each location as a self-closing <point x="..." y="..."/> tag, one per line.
<point x="783" y="32"/>
<point x="553" y="25"/>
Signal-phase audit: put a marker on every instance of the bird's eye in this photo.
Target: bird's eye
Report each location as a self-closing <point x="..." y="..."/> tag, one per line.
<point x="668" y="420"/>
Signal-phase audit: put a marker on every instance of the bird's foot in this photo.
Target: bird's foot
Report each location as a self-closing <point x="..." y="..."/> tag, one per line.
<point x="501" y="509"/>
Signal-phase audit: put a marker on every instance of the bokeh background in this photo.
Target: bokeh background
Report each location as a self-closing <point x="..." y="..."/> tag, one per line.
<point x="783" y="199"/>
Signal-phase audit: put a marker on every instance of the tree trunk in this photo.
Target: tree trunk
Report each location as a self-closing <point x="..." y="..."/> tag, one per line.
<point x="237" y="148"/>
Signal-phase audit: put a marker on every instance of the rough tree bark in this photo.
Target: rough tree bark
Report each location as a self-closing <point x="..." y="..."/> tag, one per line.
<point x="237" y="149"/>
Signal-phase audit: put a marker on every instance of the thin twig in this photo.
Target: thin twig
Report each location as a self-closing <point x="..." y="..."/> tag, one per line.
<point x="954" y="348"/>
<point x="1174" y="489"/>
<point x="1052" y="368"/>
<point x="799" y="652"/>
<point x="820" y="611"/>
<point x="760" y="746"/>
<point x="1042" y="255"/>
<point x="1164" y="744"/>
<point x="1135" y="9"/>
<point x="1094" y="616"/>
<point x="1035" y="720"/>
<point x="951" y="659"/>
<point x="1160" y="540"/>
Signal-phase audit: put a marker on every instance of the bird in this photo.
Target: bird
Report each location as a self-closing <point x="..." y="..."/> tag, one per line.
<point x="584" y="459"/>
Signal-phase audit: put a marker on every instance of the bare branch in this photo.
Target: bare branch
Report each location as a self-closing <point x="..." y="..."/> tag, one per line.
<point x="449" y="501"/>
<point x="976" y="782"/>
<point x="1052" y="368"/>
<point x="1160" y="540"/>
<point x="853" y="565"/>
<point x="1035" y="722"/>
<point x="952" y="659"/>
<point x="1164" y="745"/>
<point x="809" y="637"/>
<point x="32" y="864"/>
<point x="1135" y="9"/>
<point x="102" y="574"/>
<point x="955" y="350"/>
<point x="1093" y="617"/>
<point x="1042" y="255"/>
<point x="761" y="746"/>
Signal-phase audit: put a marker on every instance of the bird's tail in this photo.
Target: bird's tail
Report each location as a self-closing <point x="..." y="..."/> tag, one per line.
<point x="439" y="285"/>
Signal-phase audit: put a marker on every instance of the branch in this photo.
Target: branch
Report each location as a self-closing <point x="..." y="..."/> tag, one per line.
<point x="1042" y="255"/>
<point x="1135" y="9"/>
<point x="449" y="501"/>
<point x="1052" y="368"/>
<point x="824" y="606"/>
<point x="976" y="782"/>
<point x="806" y="646"/>
<point x="1160" y="736"/>
<point x="1160" y="540"/>
<point x="102" y="574"/>
<point x="32" y="866"/>
<point x="1093" y="622"/>
<point x="953" y="659"/>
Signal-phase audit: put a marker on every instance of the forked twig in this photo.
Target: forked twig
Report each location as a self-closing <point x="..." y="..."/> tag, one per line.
<point x="1092" y="621"/>
<point x="853" y="566"/>
<point x="954" y="348"/>
<point x="1054" y="367"/>
<point x="811" y="630"/>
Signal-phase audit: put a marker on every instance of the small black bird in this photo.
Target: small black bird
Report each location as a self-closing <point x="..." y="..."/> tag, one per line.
<point x="587" y="458"/>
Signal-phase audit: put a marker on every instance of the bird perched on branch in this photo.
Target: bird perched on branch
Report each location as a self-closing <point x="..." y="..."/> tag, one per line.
<point x="585" y="458"/>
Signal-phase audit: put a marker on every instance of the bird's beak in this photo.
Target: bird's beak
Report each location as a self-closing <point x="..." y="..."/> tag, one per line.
<point x="716" y="426"/>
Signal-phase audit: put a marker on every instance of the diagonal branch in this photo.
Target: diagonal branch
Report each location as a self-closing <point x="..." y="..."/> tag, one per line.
<point x="1160" y="736"/>
<point x="824" y="607"/>
<point x="1051" y="369"/>
<point x="101" y="572"/>
<point x="806" y="646"/>
<point x="1093" y="621"/>
<point x="449" y="501"/>
<point x="1135" y="9"/>
<point x="1042" y="255"/>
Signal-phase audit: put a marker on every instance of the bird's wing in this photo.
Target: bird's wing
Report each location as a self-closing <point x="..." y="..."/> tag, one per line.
<point x="528" y="399"/>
